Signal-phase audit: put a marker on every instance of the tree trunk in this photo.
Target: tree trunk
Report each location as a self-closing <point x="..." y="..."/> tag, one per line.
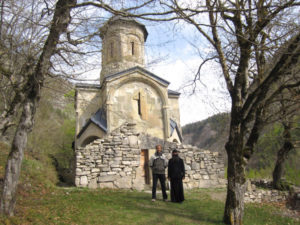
<point x="7" y="117"/>
<point x="15" y="158"/>
<point x="31" y="90"/>
<point x="234" y="206"/>
<point x="281" y="156"/>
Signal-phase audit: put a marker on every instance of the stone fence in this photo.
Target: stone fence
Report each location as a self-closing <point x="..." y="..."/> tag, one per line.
<point x="115" y="162"/>
<point x="264" y="194"/>
<point x="258" y="191"/>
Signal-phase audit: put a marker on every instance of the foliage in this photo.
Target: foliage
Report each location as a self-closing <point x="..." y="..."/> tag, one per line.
<point x="264" y="158"/>
<point x="49" y="157"/>
<point x="51" y="139"/>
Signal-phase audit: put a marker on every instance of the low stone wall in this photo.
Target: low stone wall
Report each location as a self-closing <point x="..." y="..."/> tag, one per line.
<point x="203" y="168"/>
<point x="258" y="195"/>
<point x="109" y="163"/>
<point x="114" y="162"/>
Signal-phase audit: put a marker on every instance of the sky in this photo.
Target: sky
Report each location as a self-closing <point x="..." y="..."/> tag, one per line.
<point x="172" y="47"/>
<point x="179" y="64"/>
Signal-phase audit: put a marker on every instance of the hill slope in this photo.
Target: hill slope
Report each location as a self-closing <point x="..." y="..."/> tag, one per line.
<point x="209" y="134"/>
<point x="49" y="156"/>
<point x="212" y="134"/>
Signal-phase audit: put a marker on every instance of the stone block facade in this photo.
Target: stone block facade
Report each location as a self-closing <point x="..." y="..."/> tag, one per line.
<point x="115" y="162"/>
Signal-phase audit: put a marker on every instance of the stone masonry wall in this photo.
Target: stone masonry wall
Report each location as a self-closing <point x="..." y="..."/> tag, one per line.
<point x="261" y="191"/>
<point x="114" y="162"/>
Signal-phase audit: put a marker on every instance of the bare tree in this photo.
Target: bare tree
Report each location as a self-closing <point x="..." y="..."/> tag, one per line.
<point x="25" y="27"/>
<point x="17" y="56"/>
<point x="47" y="45"/>
<point x="288" y="105"/>
<point x="31" y="92"/>
<point x="244" y="36"/>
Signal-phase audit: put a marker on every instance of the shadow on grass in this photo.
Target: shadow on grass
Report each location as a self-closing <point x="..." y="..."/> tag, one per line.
<point x="191" y="210"/>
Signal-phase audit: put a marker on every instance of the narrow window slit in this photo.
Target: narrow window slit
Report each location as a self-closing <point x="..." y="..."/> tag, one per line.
<point x="139" y="104"/>
<point x="132" y="48"/>
<point x="111" y="49"/>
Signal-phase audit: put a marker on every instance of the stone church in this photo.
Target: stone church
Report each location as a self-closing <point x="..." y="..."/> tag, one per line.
<point x="120" y="120"/>
<point x="127" y="91"/>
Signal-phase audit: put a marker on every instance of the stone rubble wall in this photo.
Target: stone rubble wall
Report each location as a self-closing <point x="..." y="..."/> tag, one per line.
<point x="203" y="168"/>
<point x="114" y="162"/>
<point x="255" y="194"/>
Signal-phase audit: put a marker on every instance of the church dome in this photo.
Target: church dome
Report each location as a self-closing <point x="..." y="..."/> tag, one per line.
<point x="123" y="41"/>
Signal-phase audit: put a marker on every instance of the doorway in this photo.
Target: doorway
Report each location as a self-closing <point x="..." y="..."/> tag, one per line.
<point x="145" y="165"/>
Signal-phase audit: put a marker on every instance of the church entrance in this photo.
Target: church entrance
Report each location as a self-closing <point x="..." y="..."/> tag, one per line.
<point x="145" y="165"/>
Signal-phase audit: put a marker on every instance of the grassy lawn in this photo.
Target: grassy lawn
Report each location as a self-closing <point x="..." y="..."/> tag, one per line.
<point x="41" y="202"/>
<point x="83" y="206"/>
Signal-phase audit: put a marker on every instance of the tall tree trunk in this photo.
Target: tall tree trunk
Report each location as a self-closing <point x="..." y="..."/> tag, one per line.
<point x="32" y="89"/>
<point x="13" y="166"/>
<point x="281" y="156"/>
<point x="234" y="206"/>
<point x="236" y="186"/>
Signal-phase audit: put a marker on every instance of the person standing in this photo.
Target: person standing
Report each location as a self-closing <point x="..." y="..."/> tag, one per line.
<point x="176" y="173"/>
<point x="158" y="163"/>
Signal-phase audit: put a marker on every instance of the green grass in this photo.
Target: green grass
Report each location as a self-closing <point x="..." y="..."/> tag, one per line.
<point x="83" y="206"/>
<point x="41" y="202"/>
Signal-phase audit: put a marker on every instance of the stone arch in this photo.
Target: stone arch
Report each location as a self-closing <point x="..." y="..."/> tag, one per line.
<point x="148" y="81"/>
<point x="161" y="92"/>
<point x="88" y="140"/>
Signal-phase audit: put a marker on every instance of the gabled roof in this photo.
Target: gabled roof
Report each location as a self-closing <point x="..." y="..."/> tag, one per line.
<point x="174" y="126"/>
<point x="87" y="85"/>
<point x="138" y="68"/>
<point x="99" y="119"/>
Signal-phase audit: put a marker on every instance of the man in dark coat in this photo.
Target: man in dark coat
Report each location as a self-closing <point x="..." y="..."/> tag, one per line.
<point x="176" y="174"/>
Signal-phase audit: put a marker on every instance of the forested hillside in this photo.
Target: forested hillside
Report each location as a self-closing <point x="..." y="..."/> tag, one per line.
<point x="212" y="134"/>
<point x="208" y="134"/>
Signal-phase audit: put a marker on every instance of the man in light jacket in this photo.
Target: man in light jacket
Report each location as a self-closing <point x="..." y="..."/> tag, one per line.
<point x="158" y="163"/>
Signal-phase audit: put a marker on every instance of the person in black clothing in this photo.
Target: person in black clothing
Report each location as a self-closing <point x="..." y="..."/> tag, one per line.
<point x="176" y="173"/>
<point x="158" y="162"/>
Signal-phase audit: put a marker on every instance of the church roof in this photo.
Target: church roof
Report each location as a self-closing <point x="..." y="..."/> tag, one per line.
<point x="174" y="126"/>
<point x="171" y="92"/>
<point x="99" y="119"/>
<point x="138" y="68"/>
<point x="87" y="85"/>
